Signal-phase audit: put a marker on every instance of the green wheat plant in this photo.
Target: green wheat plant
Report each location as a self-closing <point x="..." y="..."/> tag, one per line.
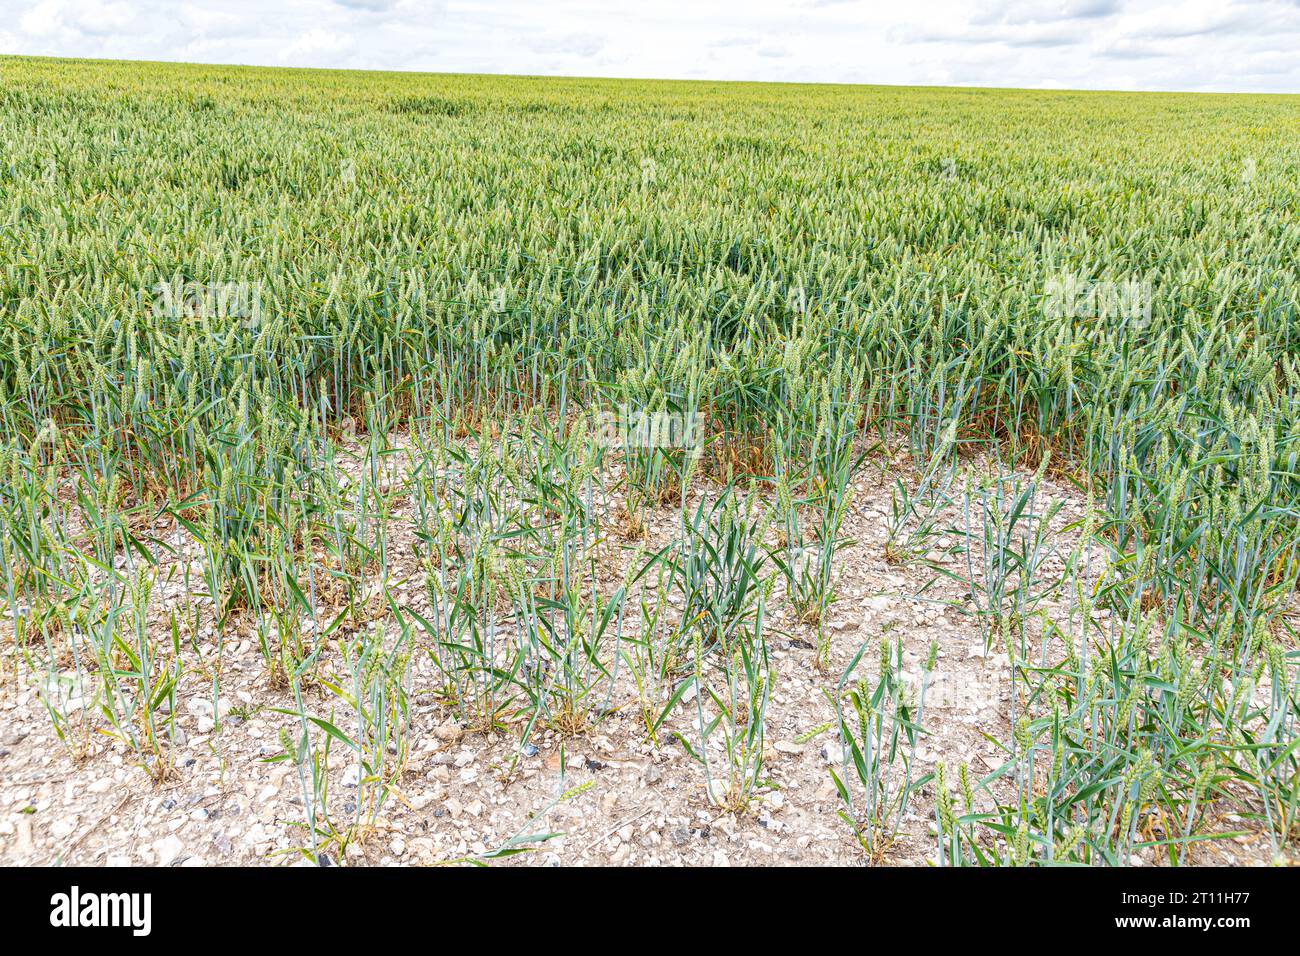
<point x="879" y="729"/>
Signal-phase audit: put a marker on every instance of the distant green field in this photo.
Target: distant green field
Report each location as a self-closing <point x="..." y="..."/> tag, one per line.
<point x="218" y="284"/>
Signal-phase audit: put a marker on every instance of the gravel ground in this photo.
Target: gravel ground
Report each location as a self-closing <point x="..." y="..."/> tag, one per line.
<point x="643" y="804"/>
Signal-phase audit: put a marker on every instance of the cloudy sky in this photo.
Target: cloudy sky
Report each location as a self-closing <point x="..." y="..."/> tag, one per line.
<point x="1088" y="44"/>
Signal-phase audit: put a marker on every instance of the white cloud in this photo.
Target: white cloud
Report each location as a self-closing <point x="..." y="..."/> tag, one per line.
<point x="1044" y="11"/>
<point x="42" y="19"/>
<point x="89" y="17"/>
<point x="203" y="22"/>
<point x="318" y="47"/>
<point x="1147" y="44"/>
<point x="578" y="44"/>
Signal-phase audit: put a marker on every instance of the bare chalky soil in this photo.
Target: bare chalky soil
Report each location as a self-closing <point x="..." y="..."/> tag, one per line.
<point x="630" y="800"/>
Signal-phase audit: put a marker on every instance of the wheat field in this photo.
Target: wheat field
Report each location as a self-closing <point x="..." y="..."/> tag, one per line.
<point x="384" y="441"/>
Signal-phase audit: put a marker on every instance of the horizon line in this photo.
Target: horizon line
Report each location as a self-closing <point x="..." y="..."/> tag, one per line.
<point x="645" y="79"/>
